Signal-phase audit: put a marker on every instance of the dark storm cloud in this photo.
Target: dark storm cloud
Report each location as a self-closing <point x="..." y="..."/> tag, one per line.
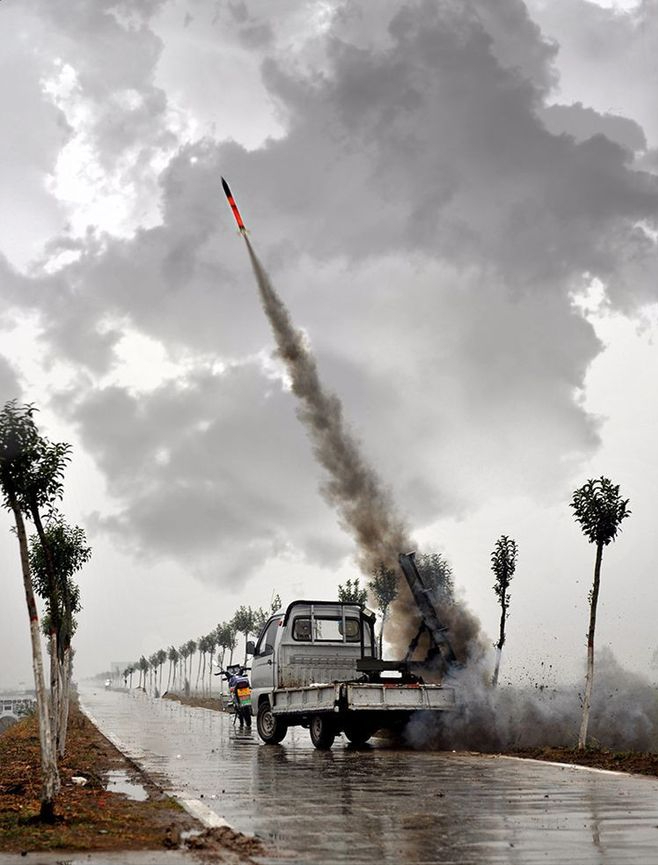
<point x="425" y="227"/>
<point x="430" y="144"/>
<point x="212" y="471"/>
<point x="583" y="123"/>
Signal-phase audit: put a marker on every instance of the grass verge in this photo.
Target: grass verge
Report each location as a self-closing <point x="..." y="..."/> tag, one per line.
<point x="90" y="817"/>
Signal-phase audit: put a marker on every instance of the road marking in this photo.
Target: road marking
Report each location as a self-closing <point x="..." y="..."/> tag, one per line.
<point x="203" y="813"/>
<point x="569" y="765"/>
<point x="195" y="807"/>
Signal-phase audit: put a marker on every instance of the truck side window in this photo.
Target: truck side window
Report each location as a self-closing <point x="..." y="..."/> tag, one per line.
<point x="301" y="630"/>
<point x="266" y="643"/>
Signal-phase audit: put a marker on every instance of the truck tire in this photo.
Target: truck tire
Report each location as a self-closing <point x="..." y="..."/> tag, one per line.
<point x="323" y="731"/>
<point x="358" y="732"/>
<point x="271" y="729"/>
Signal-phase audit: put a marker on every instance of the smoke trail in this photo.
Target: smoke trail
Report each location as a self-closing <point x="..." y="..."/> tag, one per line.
<point x="353" y="488"/>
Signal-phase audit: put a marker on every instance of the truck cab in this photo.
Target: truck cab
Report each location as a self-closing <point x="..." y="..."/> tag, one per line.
<point x="311" y="642"/>
<point x="316" y="666"/>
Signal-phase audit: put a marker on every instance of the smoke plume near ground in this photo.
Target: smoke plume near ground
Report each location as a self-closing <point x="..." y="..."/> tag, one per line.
<point x="353" y="488"/>
<point x="624" y="714"/>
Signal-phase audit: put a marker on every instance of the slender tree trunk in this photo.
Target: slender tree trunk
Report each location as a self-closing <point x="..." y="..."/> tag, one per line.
<point x="169" y="674"/>
<point x="54" y="686"/>
<point x="212" y="655"/>
<point x="381" y="632"/>
<point x="500" y="643"/>
<point x="54" y="606"/>
<point x="66" y="670"/>
<point x="50" y="775"/>
<point x="589" y="678"/>
<point x="198" y="673"/>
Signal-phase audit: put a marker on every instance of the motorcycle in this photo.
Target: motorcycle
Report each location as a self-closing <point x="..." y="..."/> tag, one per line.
<point x="239" y="692"/>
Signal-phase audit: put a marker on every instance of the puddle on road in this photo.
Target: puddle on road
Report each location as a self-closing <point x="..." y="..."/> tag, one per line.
<point x="119" y="782"/>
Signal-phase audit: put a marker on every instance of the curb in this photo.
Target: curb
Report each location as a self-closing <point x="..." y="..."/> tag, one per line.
<point x="194" y="807"/>
<point x="616" y="772"/>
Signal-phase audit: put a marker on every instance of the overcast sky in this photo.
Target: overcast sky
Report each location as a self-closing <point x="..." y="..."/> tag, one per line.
<point x="458" y="202"/>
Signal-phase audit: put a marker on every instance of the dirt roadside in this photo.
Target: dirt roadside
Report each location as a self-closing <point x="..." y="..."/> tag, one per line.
<point x="92" y="813"/>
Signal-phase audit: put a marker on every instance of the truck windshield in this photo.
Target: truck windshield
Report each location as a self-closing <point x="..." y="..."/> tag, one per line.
<point x="326" y="629"/>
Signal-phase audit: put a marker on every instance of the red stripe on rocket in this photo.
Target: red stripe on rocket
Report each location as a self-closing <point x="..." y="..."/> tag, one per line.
<point x="233" y="206"/>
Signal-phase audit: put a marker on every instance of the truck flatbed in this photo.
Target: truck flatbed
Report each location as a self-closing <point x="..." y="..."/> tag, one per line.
<point x="362" y="697"/>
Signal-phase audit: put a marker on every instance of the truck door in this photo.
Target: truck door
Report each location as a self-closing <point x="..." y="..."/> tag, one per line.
<point x="263" y="662"/>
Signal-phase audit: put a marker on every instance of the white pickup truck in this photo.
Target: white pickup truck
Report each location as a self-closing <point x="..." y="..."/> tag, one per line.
<point x="315" y="665"/>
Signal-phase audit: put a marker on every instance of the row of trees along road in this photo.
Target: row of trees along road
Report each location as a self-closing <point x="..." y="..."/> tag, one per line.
<point x="210" y="649"/>
<point x="598" y="508"/>
<point x="31" y="481"/>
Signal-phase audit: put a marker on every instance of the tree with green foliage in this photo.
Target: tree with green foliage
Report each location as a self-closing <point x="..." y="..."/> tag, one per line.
<point x="31" y="481"/>
<point x="436" y="573"/>
<point x="144" y="667"/>
<point x="211" y="648"/>
<point x="243" y="622"/>
<point x="599" y="510"/>
<point x="352" y="593"/>
<point x="226" y="640"/>
<point x="503" y="565"/>
<point x="275" y="605"/>
<point x="68" y="552"/>
<point x="261" y="617"/>
<point x="191" y="648"/>
<point x="172" y="657"/>
<point x="384" y="588"/>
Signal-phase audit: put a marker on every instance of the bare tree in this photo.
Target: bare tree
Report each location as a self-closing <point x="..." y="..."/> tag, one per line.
<point x="599" y="509"/>
<point x="384" y="587"/>
<point x="503" y="564"/>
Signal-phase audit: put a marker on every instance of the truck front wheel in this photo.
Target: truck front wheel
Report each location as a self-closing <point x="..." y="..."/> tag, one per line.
<point x="323" y="731"/>
<point x="271" y="729"/>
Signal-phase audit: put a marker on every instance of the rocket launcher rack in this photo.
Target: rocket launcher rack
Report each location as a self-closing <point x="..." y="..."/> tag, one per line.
<point x="440" y="655"/>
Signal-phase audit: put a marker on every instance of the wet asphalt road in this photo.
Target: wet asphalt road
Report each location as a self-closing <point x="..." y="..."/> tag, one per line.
<point x="381" y="803"/>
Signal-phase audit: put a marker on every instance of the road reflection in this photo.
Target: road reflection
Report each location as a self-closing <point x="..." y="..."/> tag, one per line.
<point x="383" y="803"/>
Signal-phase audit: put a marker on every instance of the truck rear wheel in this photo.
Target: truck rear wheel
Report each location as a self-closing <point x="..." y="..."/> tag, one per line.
<point x="271" y="729"/>
<point x="358" y="732"/>
<point x="323" y="731"/>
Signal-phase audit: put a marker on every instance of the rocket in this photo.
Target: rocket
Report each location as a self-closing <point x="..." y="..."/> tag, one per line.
<point x="233" y="206"/>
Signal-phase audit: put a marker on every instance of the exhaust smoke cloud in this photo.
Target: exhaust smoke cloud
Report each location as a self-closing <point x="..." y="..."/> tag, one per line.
<point x="624" y="711"/>
<point x="364" y="506"/>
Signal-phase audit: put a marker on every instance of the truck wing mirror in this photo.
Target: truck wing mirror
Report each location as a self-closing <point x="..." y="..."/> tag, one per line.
<point x="251" y="647"/>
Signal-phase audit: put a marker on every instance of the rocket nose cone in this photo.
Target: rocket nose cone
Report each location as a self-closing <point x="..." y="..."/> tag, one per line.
<point x="225" y="187"/>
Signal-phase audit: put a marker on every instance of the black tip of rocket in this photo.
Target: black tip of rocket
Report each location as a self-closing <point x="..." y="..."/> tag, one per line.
<point x="225" y="188"/>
